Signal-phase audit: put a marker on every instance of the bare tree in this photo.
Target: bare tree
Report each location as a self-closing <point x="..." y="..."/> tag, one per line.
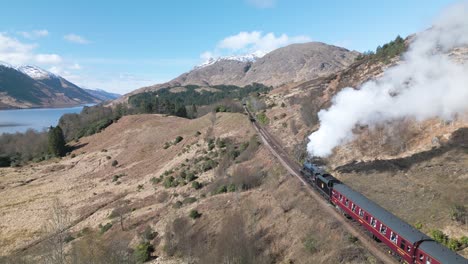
<point x="233" y="244"/>
<point x="56" y="230"/>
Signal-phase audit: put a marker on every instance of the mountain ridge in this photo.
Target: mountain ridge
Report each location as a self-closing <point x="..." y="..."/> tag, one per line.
<point x="292" y="63"/>
<point x="30" y="86"/>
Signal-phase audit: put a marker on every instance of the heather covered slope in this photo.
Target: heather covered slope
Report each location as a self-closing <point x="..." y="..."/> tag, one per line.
<point x="272" y="212"/>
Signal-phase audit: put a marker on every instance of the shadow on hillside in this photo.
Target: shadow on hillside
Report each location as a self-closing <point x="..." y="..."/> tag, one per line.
<point x="76" y="147"/>
<point x="458" y="140"/>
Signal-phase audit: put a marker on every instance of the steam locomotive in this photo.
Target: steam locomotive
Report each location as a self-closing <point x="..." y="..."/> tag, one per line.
<point x="405" y="241"/>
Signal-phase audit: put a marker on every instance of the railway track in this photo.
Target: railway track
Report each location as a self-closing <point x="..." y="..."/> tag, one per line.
<point x="379" y="251"/>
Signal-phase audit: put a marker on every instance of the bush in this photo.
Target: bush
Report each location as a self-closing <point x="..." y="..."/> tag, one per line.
<point x="194" y="214"/>
<point x="310" y="244"/>
<point x="231" y="188"/>
<point x="177" y="205"/>
<point x="197" y="133"/>
<point x="69" y="238"/>
<point x="155" y="180"/>
<point x="352" y="238"/>
<point x="190" y="176"/>
<point x="143" y="252"/>
<point x="418" y="225"/>
<point x="262" y="118"/>
<point x="178" y="139"/>
<point x="196" y="185"/>
<point x="221" y="189"/>
<point x="104" y="228"/>
<point x="166" y="145"/>
<point x="464" y="241"/>
<point x="439" y="236"/>
<point x="208" y="165"/>
<point x="459" y="213"/>
<point x="140" y="187"/>
<point x="169" y="182"/>
<point x="190" y="200"/>
<point x="148" y="234"/>
<point x="453" y="244"/>
<point x="115" y="163"/>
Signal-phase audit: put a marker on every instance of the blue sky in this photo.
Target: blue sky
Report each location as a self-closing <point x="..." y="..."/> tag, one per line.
<point x="123" y="45"/>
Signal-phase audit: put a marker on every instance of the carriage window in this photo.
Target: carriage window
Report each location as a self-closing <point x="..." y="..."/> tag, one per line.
<point x="346" y="202"/>
<point x="373" y="222"/>
<point x="393" y="237"/>
<point x="383" y="229"/>
<point x="361" y="212"/>
<point x="408" y="248"/>
<point x="367" y="218"/>
<point x="428" y="260"/>
<point x="421" y="257"/>
<point x="353" y="207"/>
<point x="403" y="244"/>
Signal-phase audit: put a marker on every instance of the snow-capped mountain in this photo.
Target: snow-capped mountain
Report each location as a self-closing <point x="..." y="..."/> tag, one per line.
<point x="30" y="86"/>
<point x="252" y="57"/>
<point x="35" y="72"/>
<point x="5" y="64"/>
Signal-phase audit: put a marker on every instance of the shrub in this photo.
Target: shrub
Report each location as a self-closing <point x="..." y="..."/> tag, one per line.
<point x="196" y="185"/>
<point x="69" y="238"/>
<point x="283" y="104"/>
<point x="140" y="187"/>
<point x="459" y="213"/>
<point x="169" y="182"/>
<point x="418" y="225"/>
<point x="208" y="165"/>
<point x="178" y="139"/>
<point x="464" y="241"/>
<point x="221" y="189"/>
<point x="190" y="200"/>
<point x="115" y="163"/>
<point x="143" y="252"/>
<point x="310" y="243"/>
<point x="190" y="176"/>
<point x="352" y="238"/>
<point x="104" y="228"/>
<point x="439" y="236"/>
<point x="177" y="205"/>
<point x="453" y="244"/>
<point x="262" y="118"/>
<point x="194" y="214"/>
<point x="148" y="234"/>
<point x="155" y="180"/>
<point x="197" y="133"/>
<point x="231" y="188"/>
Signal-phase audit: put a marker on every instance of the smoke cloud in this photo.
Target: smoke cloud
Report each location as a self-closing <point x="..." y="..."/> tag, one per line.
<point x="425" y="84"/>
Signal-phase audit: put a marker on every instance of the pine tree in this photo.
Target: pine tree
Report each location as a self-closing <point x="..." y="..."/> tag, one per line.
<point x="56" y="142"/>
<point x="181" y="111"/>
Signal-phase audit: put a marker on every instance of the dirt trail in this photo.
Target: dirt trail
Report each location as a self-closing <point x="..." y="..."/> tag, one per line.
<point x="292" y="167"/>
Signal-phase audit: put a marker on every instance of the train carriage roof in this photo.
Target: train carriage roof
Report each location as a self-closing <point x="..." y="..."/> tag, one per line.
<point x="399" y="226"/>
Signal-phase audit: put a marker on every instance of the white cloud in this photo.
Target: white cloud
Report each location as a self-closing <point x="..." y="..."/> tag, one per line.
<point x="76" y="39"/>
<point x="48" y="58"/>
<point x="252" y="42"/>
<point x="262" y="3"/>
<point x="75" y="66"/>
<point x="33" y="34"/>
<point x="206" y="55"/>
<point x="13" y="51"/>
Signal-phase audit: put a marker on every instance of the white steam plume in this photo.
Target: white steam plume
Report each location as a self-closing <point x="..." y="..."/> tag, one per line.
<point x="426" y="84"/>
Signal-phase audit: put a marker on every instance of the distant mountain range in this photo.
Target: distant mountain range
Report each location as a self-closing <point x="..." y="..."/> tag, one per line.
<point x="293" y="63"/>
<point x="30" y="86"/>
